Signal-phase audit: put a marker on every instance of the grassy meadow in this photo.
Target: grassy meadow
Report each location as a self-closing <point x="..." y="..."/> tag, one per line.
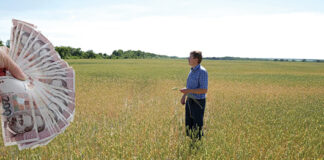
<point x="126" y="109"/>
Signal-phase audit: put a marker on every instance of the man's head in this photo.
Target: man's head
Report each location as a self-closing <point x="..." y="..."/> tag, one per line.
<point x="21" y="122"/>
<point x="195" y="58"/>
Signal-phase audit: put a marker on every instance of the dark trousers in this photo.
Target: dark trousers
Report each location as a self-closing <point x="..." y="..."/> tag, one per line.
<point x="195" y="117"/>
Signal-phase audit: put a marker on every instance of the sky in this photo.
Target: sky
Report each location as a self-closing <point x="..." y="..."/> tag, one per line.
<point x="218" y="28"/>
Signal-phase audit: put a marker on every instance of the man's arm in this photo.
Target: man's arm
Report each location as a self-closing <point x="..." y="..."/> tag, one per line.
<point x="185" y="91"/>
<point x="194" y="91"/>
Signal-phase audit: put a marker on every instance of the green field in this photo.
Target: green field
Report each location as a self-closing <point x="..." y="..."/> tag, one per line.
<point x="126" y="109"/>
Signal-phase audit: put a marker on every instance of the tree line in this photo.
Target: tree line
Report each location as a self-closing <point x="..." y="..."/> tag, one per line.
<point x="264" y="59"/>
<point x="67" y="52"/>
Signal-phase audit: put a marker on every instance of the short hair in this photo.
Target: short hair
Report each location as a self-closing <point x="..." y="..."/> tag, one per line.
<point x="197" y="54"/>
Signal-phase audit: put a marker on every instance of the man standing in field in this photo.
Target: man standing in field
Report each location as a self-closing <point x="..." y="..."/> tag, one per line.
<point x="197" y="85"/>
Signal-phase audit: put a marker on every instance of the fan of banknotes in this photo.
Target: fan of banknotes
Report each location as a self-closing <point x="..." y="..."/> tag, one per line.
<point x="35" y="111"/>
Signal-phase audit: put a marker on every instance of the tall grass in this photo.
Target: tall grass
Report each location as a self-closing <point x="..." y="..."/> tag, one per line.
<point x="126" y="109"/>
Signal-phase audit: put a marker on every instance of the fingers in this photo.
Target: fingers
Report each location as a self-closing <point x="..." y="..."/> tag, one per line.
<point x="7" y="63"/>
<point x="4" y="49"/>
<point x="15" y="70"/>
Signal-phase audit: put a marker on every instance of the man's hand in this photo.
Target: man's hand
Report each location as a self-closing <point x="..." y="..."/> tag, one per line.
<point x="183" y="99"/>
<point x="184" y="90"/>
<point x="7" y="63"/>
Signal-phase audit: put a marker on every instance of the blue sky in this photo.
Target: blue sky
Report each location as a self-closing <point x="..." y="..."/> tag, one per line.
<point x="255" y="28"/>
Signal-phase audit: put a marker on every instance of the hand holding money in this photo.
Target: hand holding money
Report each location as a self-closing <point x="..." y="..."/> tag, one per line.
<point x="6" y="63"/>
<point x="34" y="111"/>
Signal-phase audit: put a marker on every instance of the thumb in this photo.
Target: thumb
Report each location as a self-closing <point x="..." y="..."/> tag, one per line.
<point x="13" y="68"/>
<point x="16" y="71"/>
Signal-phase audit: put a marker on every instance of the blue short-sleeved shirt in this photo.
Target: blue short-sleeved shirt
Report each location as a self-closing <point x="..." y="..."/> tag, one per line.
<point x="198" y="78"/>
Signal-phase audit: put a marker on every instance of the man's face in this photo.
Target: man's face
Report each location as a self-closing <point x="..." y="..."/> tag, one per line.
<point x="19" y="122"/>
<point x="192" y="61"/>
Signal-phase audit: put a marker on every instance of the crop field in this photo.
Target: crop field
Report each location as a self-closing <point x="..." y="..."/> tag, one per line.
<point x="127" y="109"/>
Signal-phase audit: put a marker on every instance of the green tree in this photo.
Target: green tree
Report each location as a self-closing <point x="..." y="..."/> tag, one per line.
<point x="76" y="52"/>
<point x="64" y="52"/>
<point x="90" y="54"/>
<point x="118" y="53"/>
